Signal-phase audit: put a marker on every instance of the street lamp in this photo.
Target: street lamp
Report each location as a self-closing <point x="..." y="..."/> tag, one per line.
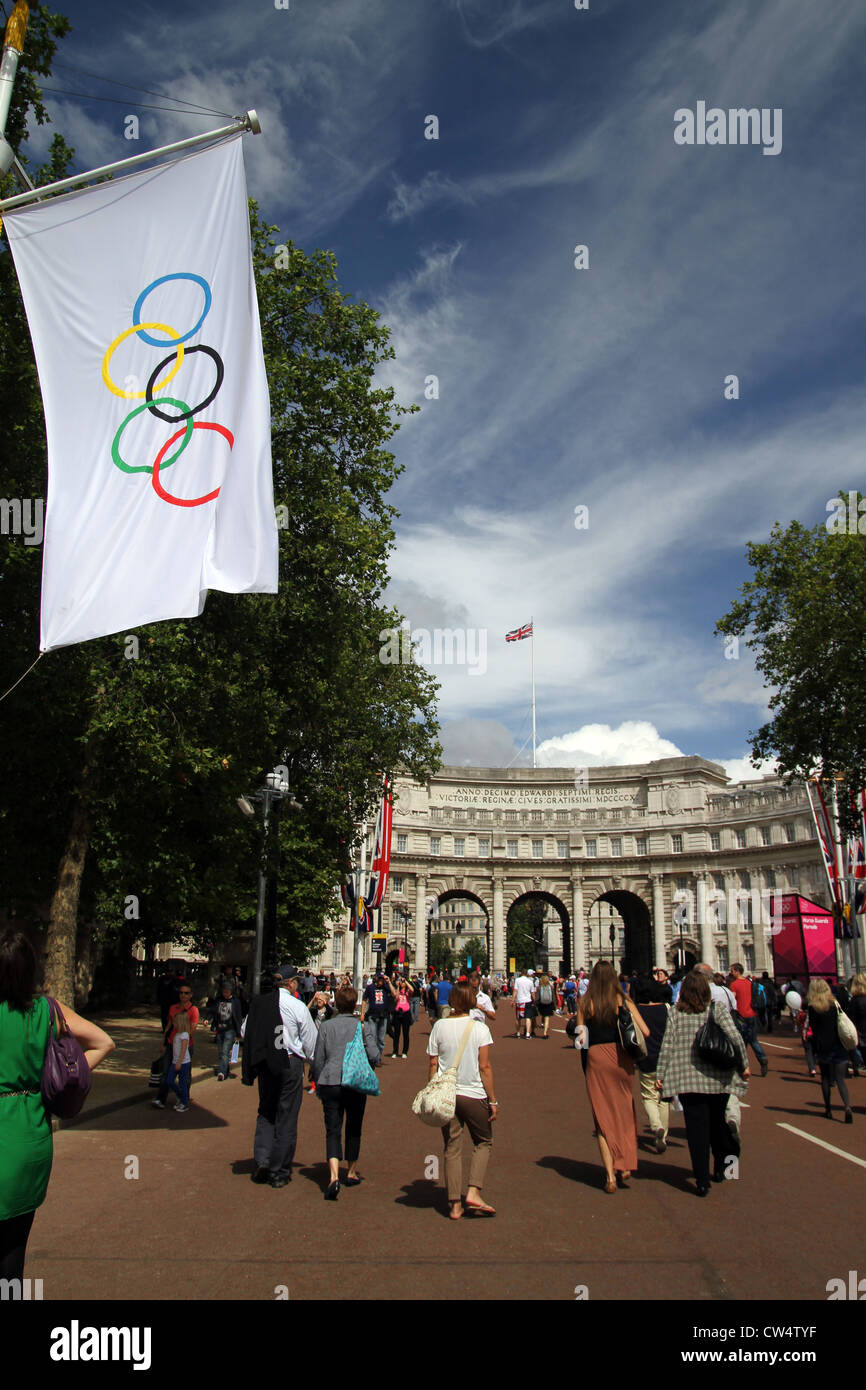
<point x="275" y="790"/>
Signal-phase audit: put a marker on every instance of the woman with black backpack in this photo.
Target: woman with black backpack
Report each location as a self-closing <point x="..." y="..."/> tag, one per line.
<point x="546" y="1003"/>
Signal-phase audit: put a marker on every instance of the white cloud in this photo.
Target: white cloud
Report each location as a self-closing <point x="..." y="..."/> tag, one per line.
<point x="741" y="769"/>
<point x="599" y="745"/>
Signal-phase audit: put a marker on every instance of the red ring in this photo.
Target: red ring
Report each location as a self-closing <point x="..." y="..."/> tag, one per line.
<point x="154" y="477"/>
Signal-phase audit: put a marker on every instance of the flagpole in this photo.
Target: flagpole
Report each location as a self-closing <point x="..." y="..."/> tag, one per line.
<point x="844" y="951"/>
<point x="532" y="663"/>
<point x="830" y="884"/>
<point x="248" y="122"/>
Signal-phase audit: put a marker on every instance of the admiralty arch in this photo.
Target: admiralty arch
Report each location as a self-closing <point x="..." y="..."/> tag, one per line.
<point x="661" y="862"/>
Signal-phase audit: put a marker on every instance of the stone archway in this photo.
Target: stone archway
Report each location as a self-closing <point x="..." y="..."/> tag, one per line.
<point x="637" y="949"/>
<point x="554" y="961"/>
<point x="438" y="920"/>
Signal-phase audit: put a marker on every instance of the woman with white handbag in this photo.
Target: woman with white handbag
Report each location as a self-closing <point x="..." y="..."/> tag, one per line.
<point x="832" y="1041"/>
<point x="462" y="1043"/>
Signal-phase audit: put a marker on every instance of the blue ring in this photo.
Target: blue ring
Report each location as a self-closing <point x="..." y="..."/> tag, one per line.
<point x="171" y="342"/>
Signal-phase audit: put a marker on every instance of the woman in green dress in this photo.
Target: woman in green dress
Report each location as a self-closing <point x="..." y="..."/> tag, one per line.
<point x="25" y="1127"/>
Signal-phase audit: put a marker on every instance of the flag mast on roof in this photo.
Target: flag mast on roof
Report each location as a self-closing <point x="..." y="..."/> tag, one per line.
<point x="517" y="634"/>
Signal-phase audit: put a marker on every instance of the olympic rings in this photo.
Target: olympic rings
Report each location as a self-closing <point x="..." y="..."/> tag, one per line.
<point x="175" y="342"/>
<point x="138" y="395"/>
<point x="154" y="477"/>
<point x="170" y="342"/>
<point x="151" y="387"/>
<point x="146" y="468"/>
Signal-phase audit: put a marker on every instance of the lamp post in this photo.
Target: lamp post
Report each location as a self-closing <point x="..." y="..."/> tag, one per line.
<point x="275" y="790"/>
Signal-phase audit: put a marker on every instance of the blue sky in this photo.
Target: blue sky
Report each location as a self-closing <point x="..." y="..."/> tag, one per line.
<point x="559" y="387"/>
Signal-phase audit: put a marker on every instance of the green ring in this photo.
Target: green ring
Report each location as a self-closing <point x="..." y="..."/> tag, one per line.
<point x="148" y="468"/>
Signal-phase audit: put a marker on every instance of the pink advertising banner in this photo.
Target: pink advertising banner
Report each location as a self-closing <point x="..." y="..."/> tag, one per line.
<point x="803" y="938"/>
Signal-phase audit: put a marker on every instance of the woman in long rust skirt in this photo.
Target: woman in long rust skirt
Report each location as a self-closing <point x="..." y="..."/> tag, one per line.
<point x="610" y="1073"/>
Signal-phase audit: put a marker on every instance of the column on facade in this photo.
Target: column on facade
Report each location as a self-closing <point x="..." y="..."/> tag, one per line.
<point x="704" y="927"/>
<point x="762" y="929"/>
<point x="732" y="915"/>
<point x="659" y="933"/>
<point x="500" y="953"/>
<point x="578" y="926"/>
<point x="420" y="923"/>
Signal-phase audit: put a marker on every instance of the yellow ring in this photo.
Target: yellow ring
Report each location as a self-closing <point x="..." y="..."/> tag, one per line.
<point x="139" y="395"/>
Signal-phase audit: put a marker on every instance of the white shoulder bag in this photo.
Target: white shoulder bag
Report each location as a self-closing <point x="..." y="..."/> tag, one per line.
<point x="436" y="1102"/>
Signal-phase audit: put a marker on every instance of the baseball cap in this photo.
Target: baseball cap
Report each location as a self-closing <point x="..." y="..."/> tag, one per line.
<point x="286" y="972"/>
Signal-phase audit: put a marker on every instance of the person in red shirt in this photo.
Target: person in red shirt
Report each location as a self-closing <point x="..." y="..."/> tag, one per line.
<point x="184" y="1005"/>
<point x="745" y="1018"/>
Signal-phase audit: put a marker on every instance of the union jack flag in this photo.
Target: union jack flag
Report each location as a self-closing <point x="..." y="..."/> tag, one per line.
<point x="519" y="633"/>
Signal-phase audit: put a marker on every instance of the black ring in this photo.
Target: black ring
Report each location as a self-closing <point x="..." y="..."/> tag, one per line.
<point x="176" y="419"/>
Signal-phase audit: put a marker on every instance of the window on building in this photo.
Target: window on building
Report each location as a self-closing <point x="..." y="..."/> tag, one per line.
<point x="794" y="878"/>
<point x="538" y="849"/>
<point x="770" y="878"/>
<point x="745" y="880"/>
<point x="766" y="835"/>
<point x="616" y="848"/>
<point x="402" y="842"/>
<point x="640" y="845"/>
<point x="338" y="950"/>
<point x="682" y="884"/>
<point x="748" y="958"/>
<point x="741" y="839"/>
<point x="483" y="847"/>
<point x="723" y="959"/>
<point x="537" y="817"/>
<point x="435" y="844"/>
<point x="459" y="846"/>
<point x="790" y="833"/>
<point x="512" y="849"/>
<point x="511" y="817"/>
<point x="677" y="844"/>
<point x="715" y="839"/>
<point x="396" y="884"/>
<point x="592" y="849"/>
<point x="719" y="882"/>
<point x="562" y="849"/>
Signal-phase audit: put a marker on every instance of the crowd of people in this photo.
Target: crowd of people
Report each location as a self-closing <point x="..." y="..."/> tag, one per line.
<point x="687" y="1035"/>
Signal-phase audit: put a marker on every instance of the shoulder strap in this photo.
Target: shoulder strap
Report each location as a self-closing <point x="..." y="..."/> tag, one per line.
<point x="56" y="1021"/>
<point x="462" y="1048"/>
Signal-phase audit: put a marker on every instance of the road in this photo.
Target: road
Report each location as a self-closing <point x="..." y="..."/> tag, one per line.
<point x="141" y="1199"/>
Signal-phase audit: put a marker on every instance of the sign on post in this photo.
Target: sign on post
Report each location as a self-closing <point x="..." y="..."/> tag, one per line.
<point x="377" y="942"/>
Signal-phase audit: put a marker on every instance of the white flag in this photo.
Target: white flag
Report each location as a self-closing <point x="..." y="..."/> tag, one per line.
<point x="145" y="325"/>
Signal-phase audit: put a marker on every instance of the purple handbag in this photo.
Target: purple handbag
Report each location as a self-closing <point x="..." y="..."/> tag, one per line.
<point x="65" y="1072"/>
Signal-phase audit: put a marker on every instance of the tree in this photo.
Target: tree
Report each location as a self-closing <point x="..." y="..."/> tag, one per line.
<point x="803" y="614"/>
<point x="474" y="950"/>
<point x="520" y="941"/>
<point x="441" y="955"/>
<point x="124" y="770"/>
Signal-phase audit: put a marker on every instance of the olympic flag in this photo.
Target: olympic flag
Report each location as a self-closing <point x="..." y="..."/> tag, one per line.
<point x="142" y="308"/>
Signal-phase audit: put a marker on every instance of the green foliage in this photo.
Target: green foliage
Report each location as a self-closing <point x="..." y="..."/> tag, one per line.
<point x="519" y="937"/>
<point x="157" y="748"/>
<point x="803" y="614"/>
<point x="475" y="950"/>
<point x="440" y="955"/>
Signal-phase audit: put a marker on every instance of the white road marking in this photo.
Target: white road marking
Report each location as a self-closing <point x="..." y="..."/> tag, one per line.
<point x="852" y="1158"/>
<point x="780" y="1046"/>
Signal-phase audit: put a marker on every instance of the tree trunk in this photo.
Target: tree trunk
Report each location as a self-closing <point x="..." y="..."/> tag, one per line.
<point x="63" y="921"/>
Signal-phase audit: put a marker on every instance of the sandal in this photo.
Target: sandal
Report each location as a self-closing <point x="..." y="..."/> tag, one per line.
<point x="609" y="1186"/>
<point x="481" y="1208"/>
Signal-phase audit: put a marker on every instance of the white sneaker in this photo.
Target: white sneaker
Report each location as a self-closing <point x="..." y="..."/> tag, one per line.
<point x="180" y="1109"/>
<point x="158" y="1104"/>
<point x="220" y="1076"/>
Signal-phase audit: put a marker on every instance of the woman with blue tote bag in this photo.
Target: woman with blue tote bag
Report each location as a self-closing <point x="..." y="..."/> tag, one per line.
<point x="344" y="1078"/>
